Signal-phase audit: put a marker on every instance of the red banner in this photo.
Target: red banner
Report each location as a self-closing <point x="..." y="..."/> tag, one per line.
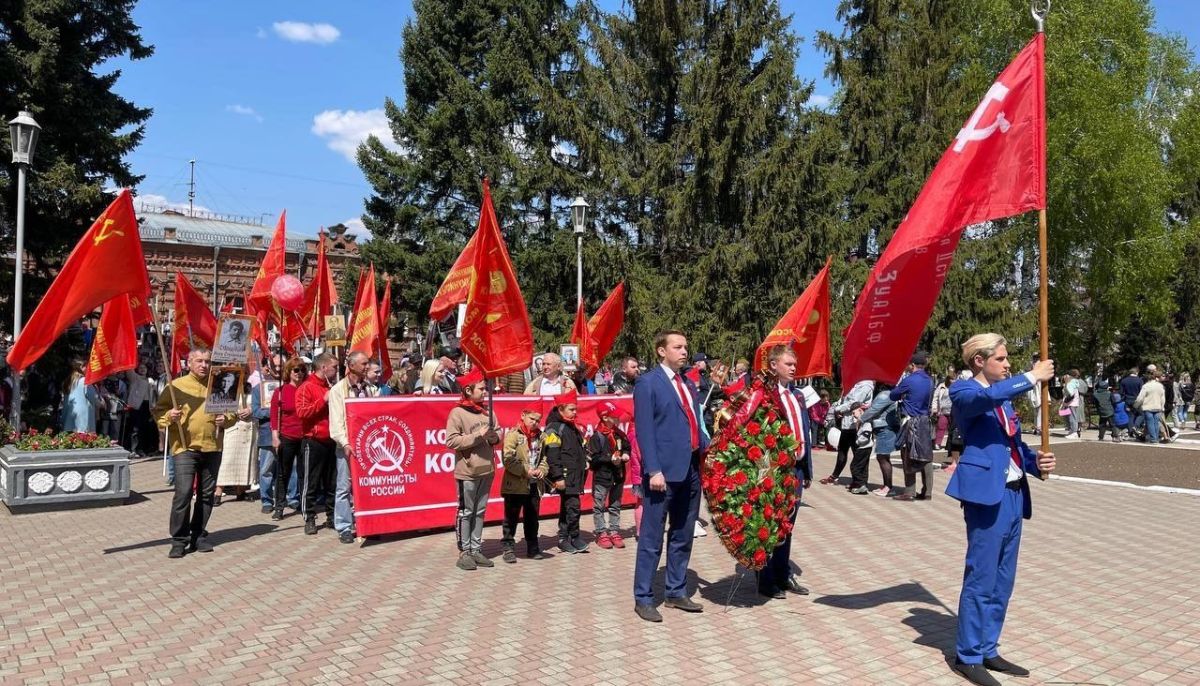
<point x="402" y="474"/>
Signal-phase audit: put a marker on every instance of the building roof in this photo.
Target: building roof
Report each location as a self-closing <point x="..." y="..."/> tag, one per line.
<point x="155" y="226"/>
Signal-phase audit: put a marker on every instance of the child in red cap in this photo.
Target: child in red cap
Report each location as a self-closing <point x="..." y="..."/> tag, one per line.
<point x="608" y="450"/>
<point x="568" y="465"/>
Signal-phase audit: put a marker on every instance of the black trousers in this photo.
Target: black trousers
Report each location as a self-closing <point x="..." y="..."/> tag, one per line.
<point x="1107" y="423"/>
<point x="526" y="508"/>
<point x="779" y="566"/>
<point x="138" y="432"/>
<point x="844" y="446"/>
<point x="187" y="520"/>
<point x="860" y="466"/>
<point x="320" y="472"/>
<point x="285" y="462"/>
<point x="568" y="517"/>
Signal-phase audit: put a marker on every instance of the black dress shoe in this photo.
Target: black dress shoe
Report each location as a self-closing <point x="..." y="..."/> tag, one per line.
<point x="201" y="545"/>
<point x="976" y="674"/>
<point x="773" y="593"/>
<point x="648" y="613"/>
<point x="793" y="584"/>
<point x="177" y="551"/>
<point x="999" y="664"/>
<point x="686" y="604"/>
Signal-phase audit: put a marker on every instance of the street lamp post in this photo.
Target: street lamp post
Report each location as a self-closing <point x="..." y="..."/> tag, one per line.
<point x="24" y="131"/>
<point x="579" y="208"/>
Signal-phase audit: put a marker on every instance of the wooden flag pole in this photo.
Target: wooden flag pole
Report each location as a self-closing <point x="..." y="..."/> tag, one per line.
<point x="1039" y="15"/>
<point x="162" y="351"/>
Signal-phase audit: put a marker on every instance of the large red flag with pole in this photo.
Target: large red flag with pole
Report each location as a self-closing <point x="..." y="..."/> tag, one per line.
<point x="107" y="262"/>
<point x="805" y="327"/>
<point x="583" y="338"/>
<point x="115" y="345"/>
<point x="364" y="322"/>
<point x="457" y="284"/>
<point x="385" y="313"/>
<point x="994" y="168"/>
<point x="319" y="295"/>
<point x="194" y="321"/>
<point x="496" y="331"/>
<point x="272" y="266"/>
<point x="606" y="324"/>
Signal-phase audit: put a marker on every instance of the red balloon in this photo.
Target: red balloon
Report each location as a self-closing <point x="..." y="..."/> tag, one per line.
<point x="288" y="292"/>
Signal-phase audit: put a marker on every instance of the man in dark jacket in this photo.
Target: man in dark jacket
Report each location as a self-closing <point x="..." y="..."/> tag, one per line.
<point x="1104" y="406"/>
<point x="568" y="464"/>
<point x="1131" y="386"/>
<point x="626" y="376"/>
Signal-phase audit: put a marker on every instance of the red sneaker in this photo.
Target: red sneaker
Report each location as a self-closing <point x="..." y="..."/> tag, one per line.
<point x="604" y="541"/>
<point x="617" y="541"/>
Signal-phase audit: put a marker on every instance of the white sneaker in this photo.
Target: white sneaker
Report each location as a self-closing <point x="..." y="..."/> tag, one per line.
<point x="882" y="491"/>
<point x="698" y="531"/>
<point x="1071" y="436"/>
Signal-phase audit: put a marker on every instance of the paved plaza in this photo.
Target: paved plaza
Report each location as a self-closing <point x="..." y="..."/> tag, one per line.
<point x="1106" y="594"/>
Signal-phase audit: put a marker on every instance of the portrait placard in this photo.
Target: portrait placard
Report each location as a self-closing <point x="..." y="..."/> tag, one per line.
<point x="233" y="340"/>
<point x="224" y="390"/>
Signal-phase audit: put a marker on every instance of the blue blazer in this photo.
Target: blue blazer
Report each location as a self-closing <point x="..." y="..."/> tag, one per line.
<point x="981" y="473"/>
<point x="663" y="433"/>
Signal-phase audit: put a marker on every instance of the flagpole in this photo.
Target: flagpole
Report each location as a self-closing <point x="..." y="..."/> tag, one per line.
<point x="1039" y="16"/>
<point x="162" y="351"/>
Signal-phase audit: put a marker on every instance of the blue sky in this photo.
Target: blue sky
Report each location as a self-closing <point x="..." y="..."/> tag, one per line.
<point x="271" y="98"/>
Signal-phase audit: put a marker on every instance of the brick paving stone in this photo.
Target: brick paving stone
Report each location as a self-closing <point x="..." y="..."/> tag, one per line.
<point x="1104" y="595"/>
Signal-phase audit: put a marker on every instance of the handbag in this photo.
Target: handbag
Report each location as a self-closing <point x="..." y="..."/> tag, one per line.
<point x="1064" y="412"/>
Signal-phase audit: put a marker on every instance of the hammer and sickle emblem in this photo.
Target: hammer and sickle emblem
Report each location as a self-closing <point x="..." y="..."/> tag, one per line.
<point x="972" y="131"/>
<point x="104" y="233"/>
<point x="814" y="317"/>
<point x="497" y="283"/>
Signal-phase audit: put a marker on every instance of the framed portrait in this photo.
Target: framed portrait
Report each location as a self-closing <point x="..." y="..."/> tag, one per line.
<point x="224" y="389"/>
<point x="266" y="390"/>
<point x="570" y="356"/>
<point x="233" y="340"/>
<point x="335" y="331"/>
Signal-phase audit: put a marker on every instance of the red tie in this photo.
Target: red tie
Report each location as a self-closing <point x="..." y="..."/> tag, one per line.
<point x="1010" y="430"/>
<point x="685" y="400"/>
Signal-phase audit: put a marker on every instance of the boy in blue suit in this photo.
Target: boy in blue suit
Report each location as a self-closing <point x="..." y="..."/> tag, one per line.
<point x="992" y="484"/>
<point x="667" y="416"/>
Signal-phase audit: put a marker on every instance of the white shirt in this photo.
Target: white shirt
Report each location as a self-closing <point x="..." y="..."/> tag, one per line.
<point x="792" y="407"/>
<point x="685" y="400"/>
<point x="551" y="387"/>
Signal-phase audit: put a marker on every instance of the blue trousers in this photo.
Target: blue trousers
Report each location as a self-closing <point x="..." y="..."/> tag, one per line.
<point x="993" y="539"/>
<point x="779" y="568"/>
<point x="675" y="510"/>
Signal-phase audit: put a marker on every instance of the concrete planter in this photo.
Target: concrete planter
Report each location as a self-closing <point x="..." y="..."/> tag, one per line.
<point x="60" y="479"/>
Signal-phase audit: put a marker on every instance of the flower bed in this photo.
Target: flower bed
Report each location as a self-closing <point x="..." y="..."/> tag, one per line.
<point x="62" y="470"/>
<point x="748" y="477"/>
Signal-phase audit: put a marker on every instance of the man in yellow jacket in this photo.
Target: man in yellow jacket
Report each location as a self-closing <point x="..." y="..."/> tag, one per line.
<point x="195" y="442"/>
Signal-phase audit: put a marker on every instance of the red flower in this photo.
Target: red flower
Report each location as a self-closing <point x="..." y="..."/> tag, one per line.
<point x="785" y="430"/>
<point x="747" y="510"/>
<point x="771" y="416"/>
<point x="738" y="538"/>
<point x="740" y="441"/>
<point x="768" y="512"/>
<point x="754" y="493"/>
<point x="783" y="460"/>
<point x="718" y="467"/>
<point x="753" y="428"/>
<point x="723" y="444"/>
<point x="768" y="483"/>
<point x="763" y="533"/>
<point x="754" y="453"/>
<point x="779" y="498"/>
<point x="740" y="478"/>
<point x="760" y="557"/>
<point x="770" y="441"/>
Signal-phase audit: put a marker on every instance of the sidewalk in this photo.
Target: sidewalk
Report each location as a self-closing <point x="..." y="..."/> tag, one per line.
<point x="1105" y="595"/>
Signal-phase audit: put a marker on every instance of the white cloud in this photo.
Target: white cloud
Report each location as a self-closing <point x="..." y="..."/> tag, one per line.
<point x="820" y="101"/>
<point x="301" y="32"/>
<point x="344" y="130"/>
<point x="152" y="202"/>
<point x="245" y="112"/>
<point x="356" y="227"/>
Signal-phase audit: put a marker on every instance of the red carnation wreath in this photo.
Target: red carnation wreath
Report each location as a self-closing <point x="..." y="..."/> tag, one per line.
<point x="748" y="477"/>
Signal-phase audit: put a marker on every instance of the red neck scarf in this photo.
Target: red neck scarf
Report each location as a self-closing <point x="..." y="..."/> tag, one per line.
<point x="530" y="434"/>
<point x="471" y="406"/>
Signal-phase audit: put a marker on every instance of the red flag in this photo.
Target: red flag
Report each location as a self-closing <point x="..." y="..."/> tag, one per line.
<point x="606" y="324"/>
<point x="496" y="331"/>
<point x="805" y="327"/>
<point x="106" y="262"/>
<point x="457" y="284"/>
<point x="139" y="308"/>
<point x="193" y="321"/>
<point x="319" y="295"/>
<point x="583" y="338"/>
<point x="227" y="308"/>
<point x="258" y="329"/>
<point x="994" y="168"/>
<point x="272" y="266"/>
<point x="364" y="325"/>
<point x="385" y="313"/>
<point x="115" y="345"/>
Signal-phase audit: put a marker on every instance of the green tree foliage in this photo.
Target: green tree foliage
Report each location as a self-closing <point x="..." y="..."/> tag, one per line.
<point x="53" y="57"/>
